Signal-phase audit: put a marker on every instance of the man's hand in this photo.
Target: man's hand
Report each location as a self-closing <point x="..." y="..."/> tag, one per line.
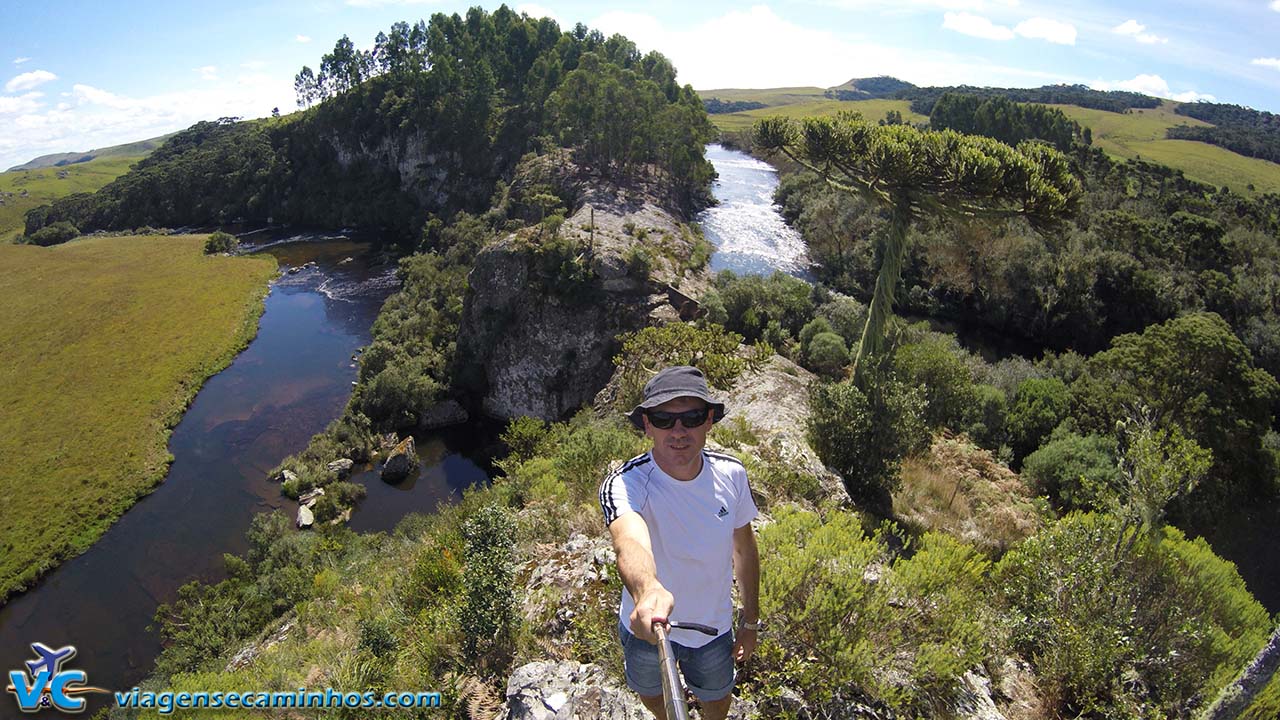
<point x="744" y="646"/>
<point x="656" y="602"/>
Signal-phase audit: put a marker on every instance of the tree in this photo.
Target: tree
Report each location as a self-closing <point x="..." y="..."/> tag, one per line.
<point x="914" y="174"/>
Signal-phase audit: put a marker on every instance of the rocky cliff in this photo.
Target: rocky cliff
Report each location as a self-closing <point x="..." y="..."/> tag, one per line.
<point x="546" y="304"/>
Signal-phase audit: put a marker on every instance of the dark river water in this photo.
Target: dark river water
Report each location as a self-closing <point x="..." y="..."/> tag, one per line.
<point x="291" y="381"/>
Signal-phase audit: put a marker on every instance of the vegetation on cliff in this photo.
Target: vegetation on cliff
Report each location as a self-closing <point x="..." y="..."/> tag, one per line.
<point x="423" y="124"/>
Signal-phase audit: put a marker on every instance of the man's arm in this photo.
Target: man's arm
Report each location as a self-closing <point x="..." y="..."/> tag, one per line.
<point x="639" y="573"/>
<point x="746" y="568"/>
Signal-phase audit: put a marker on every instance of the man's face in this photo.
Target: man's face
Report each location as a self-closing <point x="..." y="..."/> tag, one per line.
<point x="678" y="447"/>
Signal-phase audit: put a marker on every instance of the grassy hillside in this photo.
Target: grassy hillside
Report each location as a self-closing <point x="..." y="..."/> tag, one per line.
<point x="768" y="96"/>
<point x="103" y="343"/>
<point x="1141" y="133"/>
<point x="137" y="149"/>
<point x="870" y="109"/>
<point x="45" y="185"/>
<point x="1138" y="133"/>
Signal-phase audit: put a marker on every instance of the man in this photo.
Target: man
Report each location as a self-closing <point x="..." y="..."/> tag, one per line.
<point x="680" y="518"/>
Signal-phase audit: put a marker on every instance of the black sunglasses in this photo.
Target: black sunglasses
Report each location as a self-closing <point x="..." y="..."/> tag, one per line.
<point x="667" y="420"/>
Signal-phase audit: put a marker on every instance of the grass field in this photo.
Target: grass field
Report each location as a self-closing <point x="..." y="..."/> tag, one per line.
<point x="1141" y="133"/>
<point x="44" y="186"/>
<point x="873" y="110"/>
<point x="103" y="343"/>
<point x="769" y="96"/>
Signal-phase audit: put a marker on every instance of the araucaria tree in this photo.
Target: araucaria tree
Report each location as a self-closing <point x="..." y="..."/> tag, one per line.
<point x="915" y="173"/>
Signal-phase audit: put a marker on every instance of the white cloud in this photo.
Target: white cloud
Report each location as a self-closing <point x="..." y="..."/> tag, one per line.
<point x="20" y="60"/>
<point x="94" y="117"/>
<point x="1275" y="5"/>
<point x="1151" y="85"/>
<point x="207" y="72"/>
<point x="975" y="25"/>
<point x="1137" y="31"/>
<point x="26" y="81"/>
<point x="303" y="38"/>
<point x="1053" y="31"/>
<point x="538" y="11"/>
<point x="253" y="65"/>
<point x="27" y="103"/>
<point x="1271" y="62"/>
<point x="723" y="52"/>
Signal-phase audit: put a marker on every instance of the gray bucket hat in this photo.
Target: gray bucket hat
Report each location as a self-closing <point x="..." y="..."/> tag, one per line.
<point x="671" y="383"/>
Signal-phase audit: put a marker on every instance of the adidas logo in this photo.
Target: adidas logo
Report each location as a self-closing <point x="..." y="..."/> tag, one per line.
<point x="723" y="511"/>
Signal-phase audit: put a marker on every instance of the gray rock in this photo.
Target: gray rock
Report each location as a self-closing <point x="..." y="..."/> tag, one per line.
<point x="250" y="652"/>
<point x="305" y="518"/>
<point x="308" y="499"/>
<point x="401" y="461"/>
<point x="443" y="414"/>
<point x="974" y="701"/>
<point x="568" y="691"/>
<point x="341" y="467"/>
<point x="284" y="476"/>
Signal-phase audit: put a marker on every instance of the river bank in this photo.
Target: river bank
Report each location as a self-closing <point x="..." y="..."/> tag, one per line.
<point x="105" y="342"/>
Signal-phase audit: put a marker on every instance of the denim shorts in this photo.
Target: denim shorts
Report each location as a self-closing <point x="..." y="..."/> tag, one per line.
<point x="707" y="670"/>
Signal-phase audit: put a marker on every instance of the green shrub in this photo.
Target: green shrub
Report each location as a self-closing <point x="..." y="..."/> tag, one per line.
<point x="54" y="234"/>
<point x="377" y="636"/>
<point x="986" y="420"/>
<point x="811" y="329"/>
<point x="220" y="242"/>
<point x="522" y="436"/>
<point x="828" y="355"/>
<point x="1068" y="466"/>
<point x="1038" y="407"/>
<point x="1154" y="630"/>
<point x="710" y="348"/>
<point x="905" y="639"/>
<point x="846" y="316"/>
<point x="489" y="616"/>
<point x="937" y="365"/>
<point x="752" y="301"/>
<point x="862" y="436"/>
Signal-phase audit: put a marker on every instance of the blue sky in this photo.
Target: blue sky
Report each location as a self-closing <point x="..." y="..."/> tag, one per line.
<point x="82" y="75"/>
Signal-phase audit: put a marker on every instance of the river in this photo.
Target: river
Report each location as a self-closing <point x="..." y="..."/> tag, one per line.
<point x="290" y="382"/>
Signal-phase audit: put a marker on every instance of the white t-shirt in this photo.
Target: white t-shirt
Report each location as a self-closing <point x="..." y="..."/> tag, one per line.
<point x="691" y="526"/>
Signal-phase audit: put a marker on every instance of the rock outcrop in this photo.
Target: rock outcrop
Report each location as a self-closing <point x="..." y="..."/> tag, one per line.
<point x="341" y="468"/>
<point x="539" y="341"/>
<point x="443" y="414"/>
<point x="401" y="461"/>
<point x="568" y="691"/>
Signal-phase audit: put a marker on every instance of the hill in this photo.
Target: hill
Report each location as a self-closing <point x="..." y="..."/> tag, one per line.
<point x="22" y="190"/>
<point x="1125" y="125"/>
<point x="140" y="148"/>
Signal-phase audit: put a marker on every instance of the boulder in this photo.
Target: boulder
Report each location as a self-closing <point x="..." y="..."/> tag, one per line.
<point x="307" y="499"/>
<point x="305" y="518"/>
<point x="443" y="414"/>
<point x="401" y="461"/>
<point x="341" y="467"/>
<point x="568" y="690"/>
<point x="284" y="476"/>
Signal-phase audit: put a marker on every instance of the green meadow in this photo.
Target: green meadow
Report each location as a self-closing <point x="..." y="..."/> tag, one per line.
<point x="44" y="186"/>
<point x="104" y="342"/>
<point x="1140" y="133"/>
<point x="1136" y="134"/>
<point x="872" y="110"/>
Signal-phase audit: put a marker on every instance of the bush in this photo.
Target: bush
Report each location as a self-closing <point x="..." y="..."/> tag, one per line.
<point x="1152" y="632"/>
<point x="862" y="436"/>
<point x="1038" y="407"/>
<point x="710" y="348"/>
<point x="488" y="616"/>
<point x="937" y="366"/>
<point x="54" y="234"/>
<point x="1066" y="467"/>
<point x="220" y="242"/>
<point x="828" y="355"/>
<point x="986" y="420"/>
<point x="813" y="328"/>
<point x="751" y="302"/>
<point x="846" y="316"/>
<point x="905" y="639"/>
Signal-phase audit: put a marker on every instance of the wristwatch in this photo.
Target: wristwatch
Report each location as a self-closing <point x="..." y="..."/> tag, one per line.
<point x="757" y="625"/>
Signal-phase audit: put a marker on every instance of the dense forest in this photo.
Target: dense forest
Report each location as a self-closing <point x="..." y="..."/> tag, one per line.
<point x="1007" y="121"/>
<point x="1239" y="129"/>
<point x="423" y="124"/>
<point x="922" y="99"/>
<point x="716" y="106"/>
